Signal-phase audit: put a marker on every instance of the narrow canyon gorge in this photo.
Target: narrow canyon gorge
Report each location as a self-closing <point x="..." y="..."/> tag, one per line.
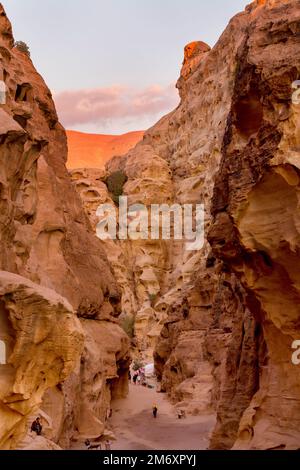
<point x="219" y="322"/>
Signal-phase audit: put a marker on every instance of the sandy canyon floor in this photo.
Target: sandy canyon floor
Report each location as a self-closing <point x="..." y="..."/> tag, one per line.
<point x="136" y="429"/>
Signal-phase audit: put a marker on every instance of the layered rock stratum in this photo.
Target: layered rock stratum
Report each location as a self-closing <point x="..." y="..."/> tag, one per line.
<point x="65" y="355"/>
<point x="222" y="320"/>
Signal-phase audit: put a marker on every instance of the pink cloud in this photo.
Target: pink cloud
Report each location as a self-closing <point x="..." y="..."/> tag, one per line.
<point x="100" y="105"/>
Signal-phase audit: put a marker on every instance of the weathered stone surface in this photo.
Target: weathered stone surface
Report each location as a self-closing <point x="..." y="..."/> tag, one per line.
<point x="232" y="144"/>
<point x="104" y="375"/>
<point x="46" y="238"/>
<point x="44" y="340"/>
<point x="235" y="346"/>
<point x="94" y="150"/>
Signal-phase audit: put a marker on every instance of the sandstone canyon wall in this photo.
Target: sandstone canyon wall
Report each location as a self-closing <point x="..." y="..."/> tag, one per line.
<point x="59" y="301"/>
<point x="222" y="319"/>
<point x="255" y="213"/>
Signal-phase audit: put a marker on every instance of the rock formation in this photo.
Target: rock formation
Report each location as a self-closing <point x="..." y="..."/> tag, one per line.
<point x="140" y="267"/>
<point x="53" y="270"/>
<point x="94" y="150"/>
<point x="226" y="315"/>
<point x="43" y="341"/>
<point x="222" y="319"/>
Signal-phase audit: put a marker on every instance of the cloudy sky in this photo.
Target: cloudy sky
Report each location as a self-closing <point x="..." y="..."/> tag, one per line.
<point x="112" y="65"/>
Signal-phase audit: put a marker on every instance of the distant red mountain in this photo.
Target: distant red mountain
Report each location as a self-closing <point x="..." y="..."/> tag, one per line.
<point x="94" y="150"/>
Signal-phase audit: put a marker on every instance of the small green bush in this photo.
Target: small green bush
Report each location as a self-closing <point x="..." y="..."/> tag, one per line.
<point x="115" y="184"/>
<point x="137" y="364"/>
<point x="127" y="323"/>
<point x="22" y="47"/>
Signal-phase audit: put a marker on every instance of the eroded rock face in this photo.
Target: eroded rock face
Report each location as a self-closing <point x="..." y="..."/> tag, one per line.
<point x="255" y="213"/>
<point x="94" y="150"/>
<point x="235" y="346"/>
<point x="46" y="238"/>
<point x="253" y="315"/>
<point x="43" y="339"/>
<point x="168" y="166"/>
<point x="227" y="315"/>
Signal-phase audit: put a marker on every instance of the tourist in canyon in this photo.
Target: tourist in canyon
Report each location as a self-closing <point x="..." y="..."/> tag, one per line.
<point x="37" y="427"/>
<point x="154" y="411"/>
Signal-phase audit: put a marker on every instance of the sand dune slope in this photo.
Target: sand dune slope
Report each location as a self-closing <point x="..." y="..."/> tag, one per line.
<point x="93" y="150"/>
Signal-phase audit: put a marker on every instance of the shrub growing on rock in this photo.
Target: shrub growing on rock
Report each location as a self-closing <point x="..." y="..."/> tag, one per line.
<point x="115" y="184"/>
<point x="22" y="47"/>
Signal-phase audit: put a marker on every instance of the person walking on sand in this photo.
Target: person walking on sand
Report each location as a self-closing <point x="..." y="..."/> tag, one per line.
<point x="154" y="411"/>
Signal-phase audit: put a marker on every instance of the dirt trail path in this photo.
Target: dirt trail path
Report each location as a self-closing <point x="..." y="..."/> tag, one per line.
<point x="136" y="429"/>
